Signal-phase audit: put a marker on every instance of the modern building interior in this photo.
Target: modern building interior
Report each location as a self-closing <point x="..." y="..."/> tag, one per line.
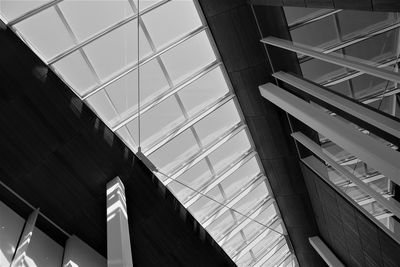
<point x="199" y="133"/>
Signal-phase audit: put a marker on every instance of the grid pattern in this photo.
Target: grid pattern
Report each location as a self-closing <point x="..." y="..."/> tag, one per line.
<point x="151" y="72"/>
<point x="374" y="38"/>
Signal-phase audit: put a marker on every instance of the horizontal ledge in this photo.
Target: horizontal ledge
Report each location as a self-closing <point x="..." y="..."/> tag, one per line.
<point x="378" y="156"/>
<point x="348" y="62"/>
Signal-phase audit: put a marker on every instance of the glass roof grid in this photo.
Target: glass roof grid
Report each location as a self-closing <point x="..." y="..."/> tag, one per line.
<point x="26" y="12"/>
<point x="200" y="143"/>
<point x="253" y="216"/>
<point x="231" y="202"/>
<point x="205" y="152"/>
<point x="279" y="242"/>
<point x="260" y="237"/>
<point x="245" y="157"/>
<point x="164" y="95"/>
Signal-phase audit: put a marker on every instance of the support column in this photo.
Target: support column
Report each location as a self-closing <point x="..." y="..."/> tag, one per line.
<point x="20" y="252"/>
<point x="118" y="241"/>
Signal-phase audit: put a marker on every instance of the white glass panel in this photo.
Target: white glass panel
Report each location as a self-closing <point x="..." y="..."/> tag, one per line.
<point x="145" y="4"/>
<point x="240" y="178"/>
<point x="170" y="16"/>
<point x="255" y="228"/>
<point x="127" y="138"/>
<point x="217" y="123"/>
<point x="175" y="152"/>
<point x="12" y="9"/>
<point x="233" y="244"/>
<point x="188" y="57"/>
<point x="282" y="251"/>
<point x="250" y="201"/>
<point x="204" y="91"/>
<point x="46" y="33"/>
<point x="103" y="106"/>
<point x="267" y="243"/>
<point x="245" y="260"/>
<point x="157" y="121"/>
<point x="218" y="227"/>
<point x="91" y="16"/>
<point x="318" y="70"/>
<point x="75" y="72"/>
<point x="202" y="208"/>
<point x="230" y="151"/>
<point x="195" y="177"/>
<point x="117" y="50"/>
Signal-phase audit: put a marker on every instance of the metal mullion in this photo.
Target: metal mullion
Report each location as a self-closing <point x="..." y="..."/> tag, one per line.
<point x="226" y="173"/>
<point x="320" y="15"/>
<point x="104" y="32"/>
<point x="278" y="245"/>
<point x="354" y="40"/>
<point x="250" y="245"/>
<point x="255" y="181"/>
<point x="203" y="153"/>
<point x="83" y="54"/>
<point x="251" y="218"/>
<point x="353" y="74"/>
<point x="142" y="62"/>
<point x="33" y="12"/>
<point x="169" y="93"/>
<point x="188" y="124"/>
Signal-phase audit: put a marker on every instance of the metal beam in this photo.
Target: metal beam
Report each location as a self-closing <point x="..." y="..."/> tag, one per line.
<point x="354" y="40"/>
<point x="391" y="204"/>
<point x="313" y="17"/>
<point x="325" y="252"/>
<point x="347" y="62"/>
<point x="365" y="114"/>
<point x="366" y="148"/>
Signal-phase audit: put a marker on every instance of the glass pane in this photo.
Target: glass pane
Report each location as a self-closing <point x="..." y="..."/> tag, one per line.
<point x="117" y="50"/>
<point x="203" y="208"/>
<point x="326" y="29"/>
<point x="188" y="57"/>
<point x="230" y="151"/>
<point x="353" y="21"/>
<point x="195" y="177"/>
<point x="232" y="246"/>
<point x="252" y="200"/>
<point x="146" y="4"/>
<point x="102" y="14"/>
<point x="204" y="91"/>
<point x="219" y="226"/>
<point x="125" y="135"/>
<point x="157" y="122"/>
<point x="218" y="122"/>
<point x="175" y="152"/>
<point x="245" y="260"/>
<point x="46" y="33"/>
<point x="320" y="71"/>
<point x="170" y="16"/>
<point x="103" y="106"/>
<point x="277" y="256"/>
<point x="75" y="72"/>
<point x="259" y="224"/>
<point x="266" y="244"/>
<point x="240" y="178"/>
<point x="12" y="9"/>
<point x="294" y="14"/>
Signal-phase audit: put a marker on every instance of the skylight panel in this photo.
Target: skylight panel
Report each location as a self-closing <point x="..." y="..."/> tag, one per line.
<point x="12" y="9"/>
<point x="191" y="127"/>
<point x="48" y="39"/>
<point x="117" y="50"/>
<point x="188" y="57"/>
<point x="76" y="73"/>
<point x="161" y="18"/>
<point x="102" y="14"/>
<point x="204" y="91"/>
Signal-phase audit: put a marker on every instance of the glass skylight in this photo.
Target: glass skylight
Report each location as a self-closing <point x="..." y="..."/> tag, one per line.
<point x="156" y="79"/>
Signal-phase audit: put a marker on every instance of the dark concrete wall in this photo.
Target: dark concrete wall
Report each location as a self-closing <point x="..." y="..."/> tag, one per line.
<point x="234" y="28"/>
<point x="370" y="5"/>
<point x="353" y="237"/>
<point x="59" y="156"/>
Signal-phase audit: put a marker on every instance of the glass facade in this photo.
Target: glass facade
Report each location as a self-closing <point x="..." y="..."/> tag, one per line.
<point x="369" y="37"/>
<point x="151" y="72"/>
